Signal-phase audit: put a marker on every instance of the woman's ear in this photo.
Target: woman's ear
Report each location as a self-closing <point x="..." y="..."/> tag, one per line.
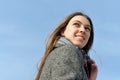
<point x="62" y="33"/>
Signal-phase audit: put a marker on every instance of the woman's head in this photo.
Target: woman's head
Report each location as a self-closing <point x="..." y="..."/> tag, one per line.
<point x="78" y="28"/>
<point x="78" y="31"/>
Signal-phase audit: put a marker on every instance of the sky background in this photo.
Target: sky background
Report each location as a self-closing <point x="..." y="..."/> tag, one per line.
<point x="26" y="24"/>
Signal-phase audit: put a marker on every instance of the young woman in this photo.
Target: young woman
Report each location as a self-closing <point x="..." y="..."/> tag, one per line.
<point x="66" y="56"/>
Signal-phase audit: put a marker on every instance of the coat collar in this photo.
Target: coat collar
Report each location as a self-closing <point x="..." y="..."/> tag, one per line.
<point x="64" y="41"/>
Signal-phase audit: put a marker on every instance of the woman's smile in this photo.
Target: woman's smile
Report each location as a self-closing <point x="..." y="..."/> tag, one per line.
<point x="81" y="37"/>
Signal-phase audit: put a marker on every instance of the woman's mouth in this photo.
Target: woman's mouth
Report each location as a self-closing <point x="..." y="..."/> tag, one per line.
<point x="80" y="37"/>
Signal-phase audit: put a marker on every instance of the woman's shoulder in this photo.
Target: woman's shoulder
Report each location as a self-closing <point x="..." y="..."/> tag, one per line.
<point x="66" y="51"/>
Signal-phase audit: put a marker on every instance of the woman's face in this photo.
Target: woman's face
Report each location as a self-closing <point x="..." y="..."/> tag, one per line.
<point x="78" y="31"/>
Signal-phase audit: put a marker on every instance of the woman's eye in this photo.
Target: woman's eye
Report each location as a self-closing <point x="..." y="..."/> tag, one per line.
<point x="76" y="24"/>
<point x="88" y="28"/>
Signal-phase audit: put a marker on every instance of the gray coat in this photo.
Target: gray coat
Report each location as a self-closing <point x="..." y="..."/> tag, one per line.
<point x="65" y="62"/>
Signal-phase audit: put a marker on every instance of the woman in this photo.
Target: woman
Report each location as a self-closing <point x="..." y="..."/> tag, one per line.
<point x="66" y="56"/>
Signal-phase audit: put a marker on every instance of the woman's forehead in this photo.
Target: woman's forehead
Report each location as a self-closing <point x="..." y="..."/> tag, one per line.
<point x="80" y="18"/>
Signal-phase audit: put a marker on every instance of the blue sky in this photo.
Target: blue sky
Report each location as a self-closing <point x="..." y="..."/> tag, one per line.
<point x="26" y="24"/>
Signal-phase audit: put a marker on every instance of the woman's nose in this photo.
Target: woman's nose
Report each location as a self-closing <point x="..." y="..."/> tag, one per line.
<point x="82" y="29"/>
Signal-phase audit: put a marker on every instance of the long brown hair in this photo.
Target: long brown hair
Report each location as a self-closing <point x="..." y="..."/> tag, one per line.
<point x="54" y="37"/>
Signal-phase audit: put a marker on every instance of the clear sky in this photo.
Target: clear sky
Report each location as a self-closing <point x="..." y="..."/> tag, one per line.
<point x="26" y="24"/>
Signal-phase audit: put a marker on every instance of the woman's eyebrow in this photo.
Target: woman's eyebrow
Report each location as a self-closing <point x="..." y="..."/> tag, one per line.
<point x="81" y="23"/>
<point x="78" y="21"/>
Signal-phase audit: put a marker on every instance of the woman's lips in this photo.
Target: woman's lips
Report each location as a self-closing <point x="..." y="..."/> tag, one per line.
<point x="80" y="36"/>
